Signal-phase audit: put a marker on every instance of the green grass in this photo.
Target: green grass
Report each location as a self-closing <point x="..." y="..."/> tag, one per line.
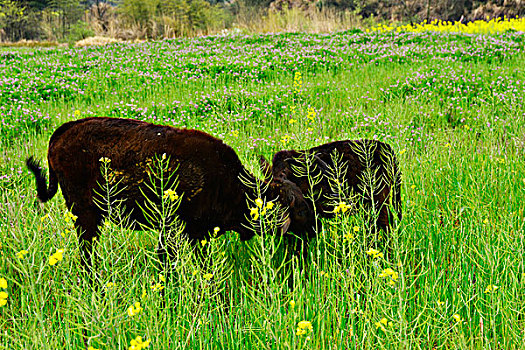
<point x="452" y="107"/>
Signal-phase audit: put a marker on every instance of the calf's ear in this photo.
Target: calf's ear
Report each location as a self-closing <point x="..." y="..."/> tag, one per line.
<point x="266" y="168"/>
<point x="286" y="225"/>
<point x="324" y="167"/>
<point x="291" y="200"/>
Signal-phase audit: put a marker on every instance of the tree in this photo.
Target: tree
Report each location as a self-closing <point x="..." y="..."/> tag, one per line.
<point x="69" y="12"/>
<point x="37" y="5"/>
<point x="100" y="10"/>
<point x="139" y="11"/>
<point x="13" y="18"/>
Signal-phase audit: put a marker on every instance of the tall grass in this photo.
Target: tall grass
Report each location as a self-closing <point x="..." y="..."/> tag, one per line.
<point x="296" y="20"/>
<point x="450" y="105"/>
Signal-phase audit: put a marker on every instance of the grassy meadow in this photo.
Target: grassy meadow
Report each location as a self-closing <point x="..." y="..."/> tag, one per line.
<point x="451" y="105"/>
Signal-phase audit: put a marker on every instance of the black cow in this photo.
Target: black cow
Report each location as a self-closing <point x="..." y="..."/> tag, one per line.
<point x="207" y="170"/>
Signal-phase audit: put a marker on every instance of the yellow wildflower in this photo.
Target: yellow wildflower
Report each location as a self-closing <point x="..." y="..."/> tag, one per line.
<point x="104" y="160"/>
<point x="69" y="216"/>
<point x="3" y="298"/>
<point x="157" y="287"/>
<point x="207" y="276"/>
<point x="311" y="114"/>
<point x="491" y="288"/>
<point x="138" y="344"/>
<point x="356" y="228"/>
<point x="297" y="82"/>
<point x="92" y="348"/>
<point x="374" y="253"/>
<point x="3" y="283"/>
<point x="259" y="202"/>
<point x="341" y="207"/>
<point x="76" y="113"/>
<point x="381" y="324"/>
<point x="56" y="257"/>
<point x="44" y="217"/>
<point x="456" y="317"/>
<point x="303" y="327"/>
<point x="388" y="272"/>
<point x="269" y="205"/>
<point x="20" y="254"/>
<point x="291" y="121"/>
<point x="403" y="151"/>
<point x="203" y="242"/>
<point x="254" y="213"/>
<point x="292" y="304"/>
<point x="285" y="139"/>
<point x="496" y="25"/>
<point x="173" y="196"/>
<point x="134" y="309"/>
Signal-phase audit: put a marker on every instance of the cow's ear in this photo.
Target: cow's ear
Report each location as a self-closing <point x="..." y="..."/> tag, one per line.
<point x="266" y="168"/>
<point x="286" y="225"/>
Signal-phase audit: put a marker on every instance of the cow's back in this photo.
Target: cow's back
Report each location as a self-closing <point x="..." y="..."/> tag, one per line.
<point x="205" y="168"/>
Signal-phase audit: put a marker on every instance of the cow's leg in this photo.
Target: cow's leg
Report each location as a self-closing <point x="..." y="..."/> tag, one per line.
<point x="384" y="218"/>
<point x="165" y="252"/>
<point x="201" y="251"/>
<point x="169" y="250"/>
<point x="384" y="224"/>
<point x="87" y="222"/>
<point x="296" y="247"/>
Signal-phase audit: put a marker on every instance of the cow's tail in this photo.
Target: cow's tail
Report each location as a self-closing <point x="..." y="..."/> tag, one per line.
<point x="44" y="193"/>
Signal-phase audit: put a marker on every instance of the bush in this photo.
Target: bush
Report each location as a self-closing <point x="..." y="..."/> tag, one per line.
<point x="170" y="18"/>
<point x="78" y="31"/>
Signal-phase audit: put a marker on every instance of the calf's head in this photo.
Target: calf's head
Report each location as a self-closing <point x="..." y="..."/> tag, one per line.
<point x="301" y="218"/>
<point x="290" y="165"/>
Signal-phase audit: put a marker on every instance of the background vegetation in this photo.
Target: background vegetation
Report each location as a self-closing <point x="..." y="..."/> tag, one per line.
<point x="74" y="20"/>
<point x="451" y="105"/>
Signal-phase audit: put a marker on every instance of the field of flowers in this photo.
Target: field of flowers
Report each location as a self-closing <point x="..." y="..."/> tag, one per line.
<point x="453" y="107"/>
